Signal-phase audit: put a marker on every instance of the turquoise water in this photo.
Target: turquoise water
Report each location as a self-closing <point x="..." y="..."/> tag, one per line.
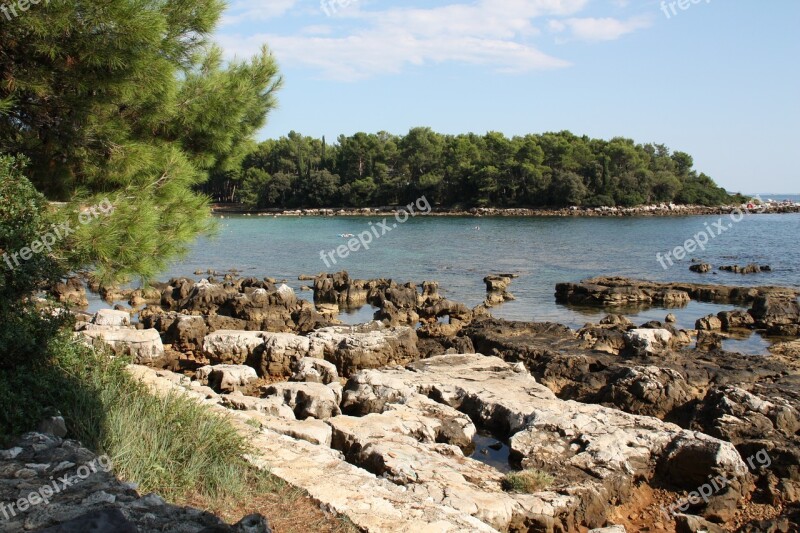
<point x="543" y="251"/>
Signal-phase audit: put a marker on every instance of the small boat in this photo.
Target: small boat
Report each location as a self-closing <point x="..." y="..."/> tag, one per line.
<point x="346" y="235"/>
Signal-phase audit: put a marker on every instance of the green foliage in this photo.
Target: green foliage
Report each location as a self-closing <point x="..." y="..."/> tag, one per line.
<point x="25" y="327"/>
<point x="527" y="481"/>
<point x="701" y="190"/>
<point x="551" y="169"/>
<point x="128" y="100"/>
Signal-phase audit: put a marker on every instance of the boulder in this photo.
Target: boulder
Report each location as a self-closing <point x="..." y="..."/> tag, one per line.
<point x="646" y="390"/>
<point x="709" y="341"/>
<point x="71" y="292"/>
<point x="144" y="345"/>
<point x="609" y="340"/>
<point x="770" y="311"/>
<point x="232" y="347"/>
<point x="701" y="268"/>
<point x="736" y="320"/>
<point x="371" y="392"/>
<point x="695" y="524"/>
<point x="371" y="346"/>
<point x="648" y="341"/>
<point x="497" y="288"/>
<point x="749" y="269"/>
<point x="230" y="378"/>
<point x="306" y="399"/>
<point x="314" y="370"/>
<point x="109" y="317"/>
<point x="616" y="320"/>
<point x="737" y="415"/>
<point x="280" y="352"/>
<point x="709" y="323"/>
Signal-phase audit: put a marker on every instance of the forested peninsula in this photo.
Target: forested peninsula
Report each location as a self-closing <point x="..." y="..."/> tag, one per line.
<point x="468" y="170"/>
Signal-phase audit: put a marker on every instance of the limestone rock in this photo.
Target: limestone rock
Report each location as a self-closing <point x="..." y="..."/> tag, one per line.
<point x="578" y="442"/>
<point x="709" y="323"/>
<point x="649" y="390"/>
<point x="701" y="268"/>
<point x="735" y="320"/>
<point x="70" y="292"/>
<point x="370" y="346"/>
<point x="144" y="345"/>
<point x="695" y="524"/>
<point x="272" y="406"/>
<point x="109" y="317"/>
<point x="312" y="370"/>
<point x="306" y="399"/>
<point x="371" y="392"/>
<point x="229" y="378"/>
<point x="649" y="341"/>
<point x="232" y="347"/>
<point x="310" y="430"/>
<point x="497" y="288"/>
<point x="281" y="351"/>
<point x="770" y="311"/>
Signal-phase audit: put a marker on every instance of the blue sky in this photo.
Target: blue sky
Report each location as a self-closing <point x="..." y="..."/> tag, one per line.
<point x="719" y="79"/>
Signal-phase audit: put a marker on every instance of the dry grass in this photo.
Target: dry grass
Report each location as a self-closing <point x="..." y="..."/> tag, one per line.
<point x="527" y="481"/>
<point x="288" y="509"/>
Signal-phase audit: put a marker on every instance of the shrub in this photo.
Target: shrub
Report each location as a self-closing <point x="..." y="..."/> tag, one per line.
<point x="25" y="325"/>
<point x="527" y="481"/>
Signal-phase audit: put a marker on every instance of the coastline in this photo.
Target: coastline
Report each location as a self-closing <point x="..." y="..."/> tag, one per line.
<point x="662" y="210"/>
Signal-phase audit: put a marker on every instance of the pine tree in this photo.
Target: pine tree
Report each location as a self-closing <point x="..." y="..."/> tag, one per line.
<point x="128" y="100"/>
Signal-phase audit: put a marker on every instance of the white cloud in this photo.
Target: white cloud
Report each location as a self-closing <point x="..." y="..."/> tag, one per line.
<point x="358" y="43"/>
<point x="254" y="10"/>
<point x="599" y="29"/>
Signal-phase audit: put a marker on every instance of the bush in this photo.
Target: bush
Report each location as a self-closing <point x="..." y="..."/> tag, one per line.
<point x="701" y="190"/>
<point x="25" y="325"/>
<point x="601" y="200"/>
<point x="527" y="481"/>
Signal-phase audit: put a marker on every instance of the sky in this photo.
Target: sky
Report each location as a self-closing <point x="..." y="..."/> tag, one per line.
<point x="719" y="79"/>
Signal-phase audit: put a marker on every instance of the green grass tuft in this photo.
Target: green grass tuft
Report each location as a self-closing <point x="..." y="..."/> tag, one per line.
<point x="171" y="445"/>
<point x="527" y="481"/>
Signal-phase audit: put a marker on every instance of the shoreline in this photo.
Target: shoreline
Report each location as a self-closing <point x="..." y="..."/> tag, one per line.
<point x="458" y="382"/>
<point x="582" y="212"/>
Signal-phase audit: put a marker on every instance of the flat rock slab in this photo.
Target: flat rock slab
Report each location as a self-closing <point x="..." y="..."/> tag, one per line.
<point x="143" y="344"/>
<point x="576" y="441"/>
<point x="372" y="503"/>
<point x="409" y="448"/>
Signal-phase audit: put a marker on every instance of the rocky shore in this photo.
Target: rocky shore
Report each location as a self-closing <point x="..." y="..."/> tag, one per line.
<point x="629" y="427"/>
<point x="661" y="210"/>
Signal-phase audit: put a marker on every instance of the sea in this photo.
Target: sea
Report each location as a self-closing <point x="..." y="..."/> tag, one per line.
<point x="458" y="252"/>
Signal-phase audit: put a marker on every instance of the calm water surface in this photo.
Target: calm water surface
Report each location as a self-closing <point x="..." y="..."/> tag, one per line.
<point x="459" y="251"/>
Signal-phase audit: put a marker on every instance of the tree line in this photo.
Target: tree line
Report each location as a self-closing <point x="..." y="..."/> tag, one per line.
<point x="468" y="170"/>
